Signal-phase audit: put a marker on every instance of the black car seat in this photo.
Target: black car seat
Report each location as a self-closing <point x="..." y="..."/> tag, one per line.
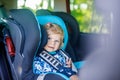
<point x="73" y="30"/>
<point x="44" y="19"/>
<point x="72" y="25"/>
<point x="25" y="35"/>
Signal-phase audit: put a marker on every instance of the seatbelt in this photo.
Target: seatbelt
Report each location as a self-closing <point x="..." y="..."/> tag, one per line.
<point x="51" y="60"/>
<point x="56" y="64"/>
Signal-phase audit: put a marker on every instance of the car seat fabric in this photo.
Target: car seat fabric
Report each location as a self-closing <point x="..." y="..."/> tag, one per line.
<point x="42" y="12"/>
<point x="54" y="19"/>
<point x="44" y="38"/>
<point x="26" y="38"/>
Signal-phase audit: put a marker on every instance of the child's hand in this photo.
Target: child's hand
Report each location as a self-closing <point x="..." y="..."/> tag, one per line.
<point x="69" y="63"/>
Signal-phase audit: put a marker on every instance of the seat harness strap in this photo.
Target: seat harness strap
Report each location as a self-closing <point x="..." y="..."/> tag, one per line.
<point x="51" y="60"/>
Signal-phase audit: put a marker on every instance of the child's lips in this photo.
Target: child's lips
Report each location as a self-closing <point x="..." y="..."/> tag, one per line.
<point x="51" y="47"/>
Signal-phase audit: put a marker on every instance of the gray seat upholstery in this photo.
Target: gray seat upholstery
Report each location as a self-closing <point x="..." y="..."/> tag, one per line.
<point x="25" y="33"/>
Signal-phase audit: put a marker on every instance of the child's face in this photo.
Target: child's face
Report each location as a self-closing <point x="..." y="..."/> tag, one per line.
<point x="54" y="42"/>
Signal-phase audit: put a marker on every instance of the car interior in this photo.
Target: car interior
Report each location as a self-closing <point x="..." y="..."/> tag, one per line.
<point x="26" y="36"/>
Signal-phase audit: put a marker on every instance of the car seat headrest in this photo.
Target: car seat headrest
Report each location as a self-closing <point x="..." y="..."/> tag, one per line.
<point x="42" y="12"/>
<point x="72" y="25"/>
<point x="57" y="20"/>
<point x="44" y="38"/>
<point x="31" y="28"/>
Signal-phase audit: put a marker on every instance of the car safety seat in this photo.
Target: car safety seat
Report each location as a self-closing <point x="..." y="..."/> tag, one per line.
<point x="24" y="33"/>
<point x="66" y="20"/>
<point x="73" y="32"/>
<point x="44" y="19"/>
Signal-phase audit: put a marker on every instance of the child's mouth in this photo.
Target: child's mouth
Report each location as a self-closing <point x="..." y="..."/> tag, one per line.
<point x="51" y="47"/>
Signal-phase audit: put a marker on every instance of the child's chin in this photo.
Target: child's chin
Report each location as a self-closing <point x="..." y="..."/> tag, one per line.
<point x="50" y="50"/>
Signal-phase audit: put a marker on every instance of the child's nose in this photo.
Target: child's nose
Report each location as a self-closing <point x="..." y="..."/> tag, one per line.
<point x="52" y="42"/>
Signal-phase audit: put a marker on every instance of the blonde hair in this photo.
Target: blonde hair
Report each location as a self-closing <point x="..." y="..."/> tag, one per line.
<point x="55" y="28"/>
